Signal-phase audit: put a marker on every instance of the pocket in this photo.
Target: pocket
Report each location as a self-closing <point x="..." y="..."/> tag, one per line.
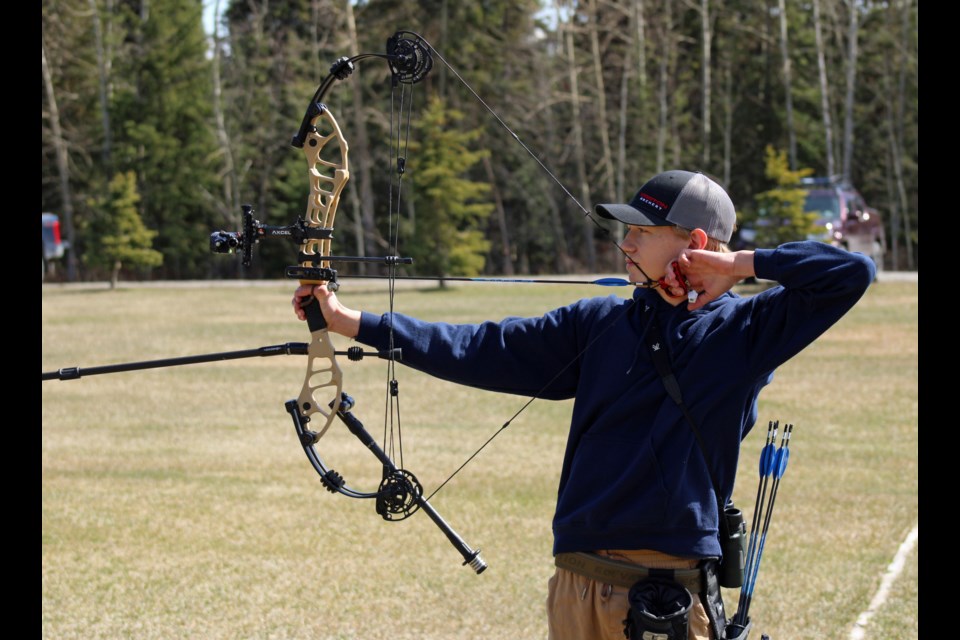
<point x="570" y="606"/>
<point x="614" y="609"/>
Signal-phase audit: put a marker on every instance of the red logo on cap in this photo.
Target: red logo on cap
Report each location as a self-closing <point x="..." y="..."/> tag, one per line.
<point x="653" y="201"/>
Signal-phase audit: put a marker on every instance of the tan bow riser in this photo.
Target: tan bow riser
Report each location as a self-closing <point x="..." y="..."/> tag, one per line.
<point x="329" y="172"/>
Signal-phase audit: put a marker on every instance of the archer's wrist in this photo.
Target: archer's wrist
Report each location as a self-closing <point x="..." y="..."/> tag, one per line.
<point x="345" y="322"/>
<point x="743" y="264"/>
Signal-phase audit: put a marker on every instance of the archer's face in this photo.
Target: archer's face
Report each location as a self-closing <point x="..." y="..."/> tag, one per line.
<point x="653" y="248"/>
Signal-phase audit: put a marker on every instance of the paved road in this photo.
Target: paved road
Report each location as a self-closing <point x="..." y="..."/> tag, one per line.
<point x="899" y="276"/>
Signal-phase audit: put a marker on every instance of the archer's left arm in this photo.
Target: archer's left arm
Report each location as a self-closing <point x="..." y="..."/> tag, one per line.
<point x="525" y="356"/>
<point x="512" y="356"/>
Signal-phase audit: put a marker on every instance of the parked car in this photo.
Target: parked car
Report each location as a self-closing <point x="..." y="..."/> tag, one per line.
<point x="847" y="220"/>
<point x="52" y="247"/>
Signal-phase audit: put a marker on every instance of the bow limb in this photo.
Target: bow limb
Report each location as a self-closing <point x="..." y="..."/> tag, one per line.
<point x="327" y="180"/>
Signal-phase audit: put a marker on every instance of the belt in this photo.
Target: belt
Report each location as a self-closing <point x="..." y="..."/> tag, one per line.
<point x="623" y="574"/>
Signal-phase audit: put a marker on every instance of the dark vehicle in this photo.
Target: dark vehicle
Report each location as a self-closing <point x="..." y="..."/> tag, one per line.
<point x="52" y="246"/>
<point x="847" y="220"/>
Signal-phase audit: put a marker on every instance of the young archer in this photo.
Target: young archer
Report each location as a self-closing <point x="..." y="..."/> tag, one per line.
<point x="636" y="489"/>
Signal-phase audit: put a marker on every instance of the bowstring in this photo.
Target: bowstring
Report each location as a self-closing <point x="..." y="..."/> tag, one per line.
<point x="399" y="146"/>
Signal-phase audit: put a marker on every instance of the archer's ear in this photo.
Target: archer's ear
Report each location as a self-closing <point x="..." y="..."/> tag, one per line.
<point x="698" y="239"/>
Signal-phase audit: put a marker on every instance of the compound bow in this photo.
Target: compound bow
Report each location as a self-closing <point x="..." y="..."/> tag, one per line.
<point x="410" y="58"/>
<point x="322" y="399"/>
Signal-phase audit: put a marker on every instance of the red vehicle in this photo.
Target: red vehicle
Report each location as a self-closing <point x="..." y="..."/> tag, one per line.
<point x="847" y="220"/>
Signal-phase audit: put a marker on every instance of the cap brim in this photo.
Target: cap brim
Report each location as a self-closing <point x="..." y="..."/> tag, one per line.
<point x="630" y="215"/>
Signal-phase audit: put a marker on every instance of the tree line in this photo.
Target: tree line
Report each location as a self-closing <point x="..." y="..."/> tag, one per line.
<point x="154" y="132"/>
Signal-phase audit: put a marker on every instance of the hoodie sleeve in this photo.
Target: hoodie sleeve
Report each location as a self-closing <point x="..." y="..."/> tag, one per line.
<point x="818" y="285"/>
<point x="525" y="356"/>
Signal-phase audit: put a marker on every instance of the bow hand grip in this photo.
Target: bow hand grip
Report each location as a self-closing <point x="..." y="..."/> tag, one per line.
<point x="315" y="319"/>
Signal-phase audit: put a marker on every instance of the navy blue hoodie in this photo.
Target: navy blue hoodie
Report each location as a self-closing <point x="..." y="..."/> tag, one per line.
<point x="633" y="476"/>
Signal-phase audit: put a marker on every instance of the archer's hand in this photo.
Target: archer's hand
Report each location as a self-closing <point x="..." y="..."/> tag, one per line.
<point x="340" y="319"/>
<point x="710" y="273"/>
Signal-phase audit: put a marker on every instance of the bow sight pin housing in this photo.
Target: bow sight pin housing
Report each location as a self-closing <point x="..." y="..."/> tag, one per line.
<point x="254" y="230"/>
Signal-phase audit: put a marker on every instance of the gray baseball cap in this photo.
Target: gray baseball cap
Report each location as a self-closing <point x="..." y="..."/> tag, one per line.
<point x="678" y="198"/>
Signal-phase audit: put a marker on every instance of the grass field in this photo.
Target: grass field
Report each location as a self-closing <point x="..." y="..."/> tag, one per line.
<point x="176" y="503"/>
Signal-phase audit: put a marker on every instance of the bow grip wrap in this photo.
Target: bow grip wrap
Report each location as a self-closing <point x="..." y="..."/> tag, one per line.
<point x="315" y="319"/>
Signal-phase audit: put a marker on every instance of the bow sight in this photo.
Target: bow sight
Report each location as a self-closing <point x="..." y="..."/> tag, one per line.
<point x="298" y="233"/>
<point x="253" y="230"/>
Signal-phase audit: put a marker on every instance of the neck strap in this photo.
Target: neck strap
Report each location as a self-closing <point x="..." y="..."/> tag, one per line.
<point x="661" y="359"/>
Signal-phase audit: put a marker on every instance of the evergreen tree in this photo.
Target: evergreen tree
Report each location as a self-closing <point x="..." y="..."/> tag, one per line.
<point x="117" y="235"/>
<point x="780" y="216"/>
<point x="445" y="235"/>
<point x="163" y="114"/>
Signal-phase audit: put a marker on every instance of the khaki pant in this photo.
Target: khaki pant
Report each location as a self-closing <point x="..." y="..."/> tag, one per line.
<point x="579" y="608"/>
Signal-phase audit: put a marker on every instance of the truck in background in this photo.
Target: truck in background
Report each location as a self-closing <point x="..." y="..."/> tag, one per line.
<point x="846" y="219"/>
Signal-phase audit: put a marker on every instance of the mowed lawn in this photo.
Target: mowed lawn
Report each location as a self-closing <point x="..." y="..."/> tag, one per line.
<point x="177" y="503"/>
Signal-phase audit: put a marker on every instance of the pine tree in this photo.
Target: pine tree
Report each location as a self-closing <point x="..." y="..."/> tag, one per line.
<point x="163" y="115"/>
<point x="117" y="235"/>
<point x="445" y="234"/>
<point x="780" y="214"/>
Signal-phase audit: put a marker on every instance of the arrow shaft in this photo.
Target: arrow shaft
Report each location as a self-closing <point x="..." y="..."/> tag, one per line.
<point x="603" y="282"/>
